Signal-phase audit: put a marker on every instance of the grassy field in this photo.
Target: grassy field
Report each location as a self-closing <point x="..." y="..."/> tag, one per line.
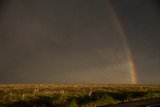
<point x="72" y="95"/>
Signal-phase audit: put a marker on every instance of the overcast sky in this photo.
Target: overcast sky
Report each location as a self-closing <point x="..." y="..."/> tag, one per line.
<point x="77" y="41"/>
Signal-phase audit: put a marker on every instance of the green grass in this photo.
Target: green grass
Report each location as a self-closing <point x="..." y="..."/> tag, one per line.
<point x="72" y="95"/>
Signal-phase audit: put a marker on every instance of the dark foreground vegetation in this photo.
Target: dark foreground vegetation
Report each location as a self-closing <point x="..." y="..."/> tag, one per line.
<point x="73" y="95"/>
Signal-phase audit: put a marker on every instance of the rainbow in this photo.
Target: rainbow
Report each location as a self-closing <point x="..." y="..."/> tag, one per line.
<point x="132" y="65"/>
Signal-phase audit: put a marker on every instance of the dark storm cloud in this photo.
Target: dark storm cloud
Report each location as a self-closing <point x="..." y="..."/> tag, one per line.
<point x="60" y="41"/>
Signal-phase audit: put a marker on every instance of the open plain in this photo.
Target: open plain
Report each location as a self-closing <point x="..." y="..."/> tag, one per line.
<point x="73" y="95"/>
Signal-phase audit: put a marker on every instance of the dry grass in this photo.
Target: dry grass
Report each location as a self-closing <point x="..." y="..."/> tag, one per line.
<point x="72" y="95"/>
